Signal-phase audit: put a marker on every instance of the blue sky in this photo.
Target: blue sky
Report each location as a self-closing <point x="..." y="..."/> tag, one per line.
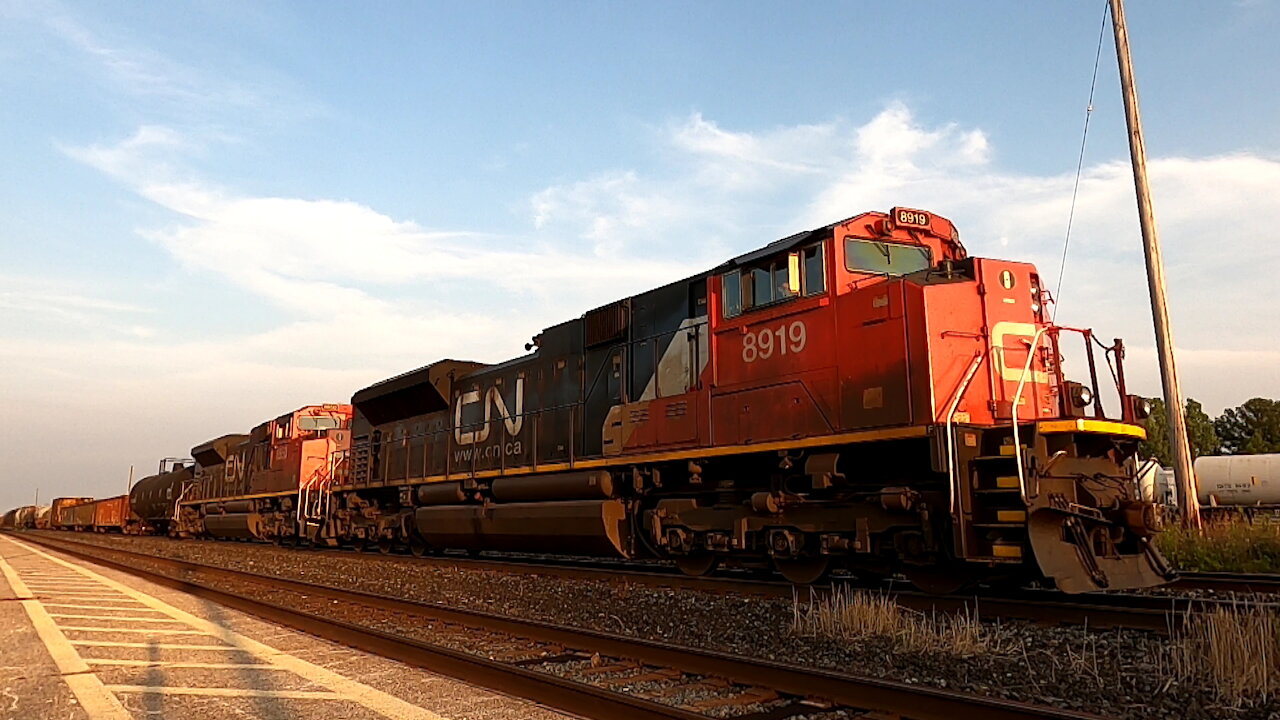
<point x="217" y="211"/>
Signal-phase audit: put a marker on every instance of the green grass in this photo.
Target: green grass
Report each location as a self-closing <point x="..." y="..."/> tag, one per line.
<point x="1233" y="545"/>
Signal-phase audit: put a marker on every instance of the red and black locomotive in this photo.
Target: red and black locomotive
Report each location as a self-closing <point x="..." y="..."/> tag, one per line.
<point x="863" y="395"/>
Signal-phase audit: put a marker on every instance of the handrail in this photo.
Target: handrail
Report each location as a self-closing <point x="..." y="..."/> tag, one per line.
<point x="951" y="440"/>
<point x="1017" y="397"/>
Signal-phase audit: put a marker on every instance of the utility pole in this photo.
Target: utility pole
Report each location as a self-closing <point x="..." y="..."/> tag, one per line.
<point x="1182" y="472"/>
<point x="129" y="487"/>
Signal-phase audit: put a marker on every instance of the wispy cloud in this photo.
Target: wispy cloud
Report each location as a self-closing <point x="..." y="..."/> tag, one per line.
<point x="733" y="190"/>
<point x="339" y="294"/>
<point x="213" y="94"/>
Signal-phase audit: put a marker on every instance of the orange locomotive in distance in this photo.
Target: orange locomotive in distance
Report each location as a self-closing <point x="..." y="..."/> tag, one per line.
<point x="252" y="486"/>
<point x="864" y="395"/>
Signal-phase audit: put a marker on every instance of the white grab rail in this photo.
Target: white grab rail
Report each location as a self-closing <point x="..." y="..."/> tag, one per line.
<point x="1017" y="398"/>
<point x="951" y="440"/>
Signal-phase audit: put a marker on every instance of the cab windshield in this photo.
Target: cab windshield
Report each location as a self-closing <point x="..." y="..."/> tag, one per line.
<point x="884" y="258"/>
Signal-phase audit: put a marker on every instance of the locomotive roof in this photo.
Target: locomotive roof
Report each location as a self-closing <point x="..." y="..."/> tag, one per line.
<point x="422" y="390"/>
<point x="785" y="243"/>
<point x="214" y="451"/>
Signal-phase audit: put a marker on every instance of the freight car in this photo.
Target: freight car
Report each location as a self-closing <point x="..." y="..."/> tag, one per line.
<point x="10" y="520"/>
<point x="28" y="517"/>
<point x="63" y="514"/>
<point x="153" y="500"/>
<point x="113" y="515"/>
<point x="1238" y="481"/>
<point x="864" y="394"/>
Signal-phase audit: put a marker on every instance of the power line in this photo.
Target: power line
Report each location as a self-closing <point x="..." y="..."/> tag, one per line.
<point x="1084" y="137"/>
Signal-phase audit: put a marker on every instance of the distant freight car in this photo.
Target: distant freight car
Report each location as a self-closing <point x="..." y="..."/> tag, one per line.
<point x="81" y="516"/>
<point x="1238" y="480"/>
<point x="61" y="513"/>
<point x="154" y="498"/>
<point x="9" y="520"/>
<point x="26" y="517"/>
<point x="112" y="514"/>
<point x="42" y="517"/>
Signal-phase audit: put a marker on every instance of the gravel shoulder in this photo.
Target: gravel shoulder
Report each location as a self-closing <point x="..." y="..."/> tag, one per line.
<point x="1118" y="673"/>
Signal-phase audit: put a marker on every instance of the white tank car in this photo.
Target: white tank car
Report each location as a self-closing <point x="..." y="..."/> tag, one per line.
<point x="1236" y="480"/>
<point x="1155" y="483"/>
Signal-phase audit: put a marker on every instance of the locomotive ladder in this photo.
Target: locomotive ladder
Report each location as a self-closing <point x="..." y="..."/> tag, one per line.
<point x="314" y="498"/>
<point x="988" y="497"/>
<point x="995" y="517"/>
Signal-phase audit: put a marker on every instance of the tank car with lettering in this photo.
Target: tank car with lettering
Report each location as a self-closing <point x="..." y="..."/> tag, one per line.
<point x="862" y="395"/>
<point x="1238" y="484"/>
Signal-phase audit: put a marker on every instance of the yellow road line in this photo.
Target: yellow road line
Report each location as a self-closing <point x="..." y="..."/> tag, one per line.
<point x="62" y="583"/>
<point x="150" y="631"/>
<point x="126" y="618"/>
<point x="179" y="665"/>
<point x="158" y="646"/>
<point x="76" y="595"/>
<point x="134" y="608"/>
<point x="97" y="701"/>
<point x="227" y="692"/>
<point x="371" y="698"/>
<point x="20" y="589"/>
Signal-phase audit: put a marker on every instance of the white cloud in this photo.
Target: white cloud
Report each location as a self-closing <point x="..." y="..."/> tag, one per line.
<point x="148" y="74"/>
<point x="337" y="294"/>
<point x="737" y="190"/>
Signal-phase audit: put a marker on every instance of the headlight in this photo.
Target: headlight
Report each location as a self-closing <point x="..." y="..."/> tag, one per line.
<point x="1141" y="408"/>
<point x="1081" y="396"/>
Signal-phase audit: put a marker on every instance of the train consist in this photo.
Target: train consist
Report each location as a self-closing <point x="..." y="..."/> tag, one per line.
<point x="862" y="395"/>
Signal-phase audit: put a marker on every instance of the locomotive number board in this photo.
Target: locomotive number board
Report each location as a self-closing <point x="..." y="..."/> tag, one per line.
<point x="913" y="218"/>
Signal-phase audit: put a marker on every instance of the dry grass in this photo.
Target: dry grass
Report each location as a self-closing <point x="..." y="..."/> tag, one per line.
<point x="1233" y="651"/>
<point x="846" y="614"/>
<point x="1231" y="544"/>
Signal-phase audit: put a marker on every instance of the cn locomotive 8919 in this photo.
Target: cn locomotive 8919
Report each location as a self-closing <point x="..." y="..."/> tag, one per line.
<point x="864" y="395"/>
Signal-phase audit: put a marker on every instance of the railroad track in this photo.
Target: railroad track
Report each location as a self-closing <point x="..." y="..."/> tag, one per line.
<point x="585" y="672"/>
<point x="1262" y="583"/>
<point x="1153" y="613"/>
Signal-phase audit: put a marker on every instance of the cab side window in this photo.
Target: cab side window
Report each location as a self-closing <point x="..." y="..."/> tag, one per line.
<point x="799" y="273"/>
<point x="814" y="271"/>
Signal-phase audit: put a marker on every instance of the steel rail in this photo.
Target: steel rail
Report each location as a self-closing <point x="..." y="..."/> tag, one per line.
<point x="905" y="700"/>
<point x="1261" y="583"/>
<point x="1153" y="613"/>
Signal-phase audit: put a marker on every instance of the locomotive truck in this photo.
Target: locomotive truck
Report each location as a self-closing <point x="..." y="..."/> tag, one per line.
<point x="862" y="395"/>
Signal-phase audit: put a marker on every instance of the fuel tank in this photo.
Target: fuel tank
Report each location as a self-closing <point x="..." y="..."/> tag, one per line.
<point x="580" y="527"/>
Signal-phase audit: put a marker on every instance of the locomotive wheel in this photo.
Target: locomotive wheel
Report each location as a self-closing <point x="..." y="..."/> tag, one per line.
<point x="802" y="571"/>
<point x="417" y="547"/>
<point x="384" y="546"/>
<point x="698" y="564"/>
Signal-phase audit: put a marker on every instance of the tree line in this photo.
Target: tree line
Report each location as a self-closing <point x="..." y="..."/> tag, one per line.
<point x="1248" y="429"/>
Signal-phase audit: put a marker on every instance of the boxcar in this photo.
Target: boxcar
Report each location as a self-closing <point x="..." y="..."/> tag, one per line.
<point x="111" y="514"/>
<point x="61" y="513"/>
